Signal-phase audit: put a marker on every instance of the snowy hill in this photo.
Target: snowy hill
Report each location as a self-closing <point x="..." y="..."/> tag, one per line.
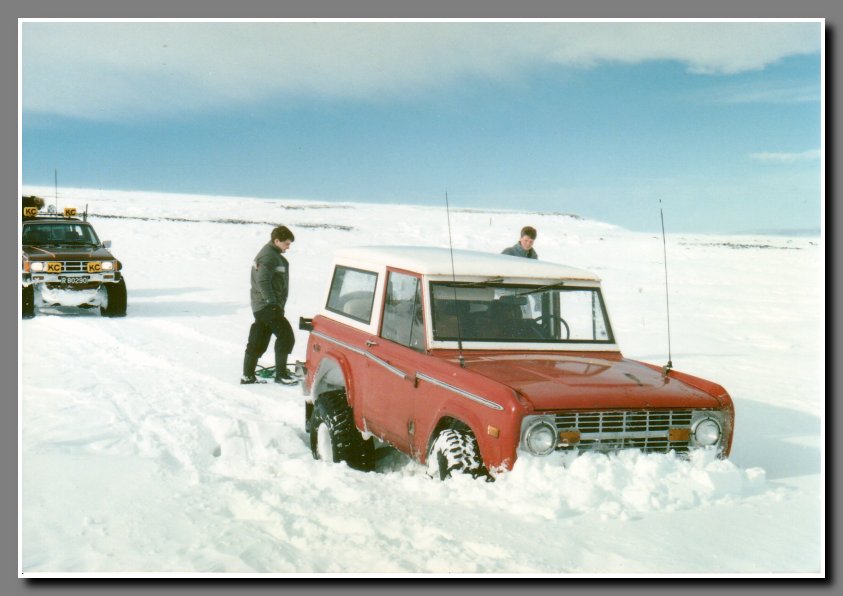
<point x="141" y="452"/>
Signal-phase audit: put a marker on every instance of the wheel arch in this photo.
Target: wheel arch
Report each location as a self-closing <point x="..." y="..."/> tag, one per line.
<point x="331" y="375"/>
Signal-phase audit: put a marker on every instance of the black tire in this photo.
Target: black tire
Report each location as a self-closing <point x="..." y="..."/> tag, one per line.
<point x="27" y="302"/>
<point x="455" y="451"/>
<point x="116" y="305"/>
<point x="333" y="436"/>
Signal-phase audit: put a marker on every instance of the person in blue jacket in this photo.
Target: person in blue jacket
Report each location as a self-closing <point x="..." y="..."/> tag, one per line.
<point x="270" y="287"/>
<point x="524" y="247"/>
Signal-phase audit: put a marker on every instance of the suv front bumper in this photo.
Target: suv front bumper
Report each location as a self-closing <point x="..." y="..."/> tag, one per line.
<point x="71" y="281"/>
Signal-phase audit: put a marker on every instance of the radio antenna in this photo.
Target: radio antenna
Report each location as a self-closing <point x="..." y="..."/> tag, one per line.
<point x="667" y="367"/>
<point x="56" y="193"/>
<point x="454" y="280"/>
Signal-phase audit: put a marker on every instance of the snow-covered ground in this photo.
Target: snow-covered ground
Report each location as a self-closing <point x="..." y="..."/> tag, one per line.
<point x="141" y="453"/>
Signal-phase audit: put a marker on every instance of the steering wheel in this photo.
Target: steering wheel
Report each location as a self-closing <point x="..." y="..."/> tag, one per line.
<point x="538" y="320"/>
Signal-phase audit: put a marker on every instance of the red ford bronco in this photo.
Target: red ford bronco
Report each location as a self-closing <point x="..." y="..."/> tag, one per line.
<point x="63" y="262"/>
<point x="467" y="361"/>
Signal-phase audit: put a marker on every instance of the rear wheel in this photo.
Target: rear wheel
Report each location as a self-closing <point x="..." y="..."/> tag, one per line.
<point x="333" y="435"/>
<point x="115" y="305"/>
<point x="455" y="451"/>
<point x="27" y="302"/>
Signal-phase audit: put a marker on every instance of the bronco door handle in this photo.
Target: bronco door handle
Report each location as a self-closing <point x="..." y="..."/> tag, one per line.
<point x="371" y="342"/>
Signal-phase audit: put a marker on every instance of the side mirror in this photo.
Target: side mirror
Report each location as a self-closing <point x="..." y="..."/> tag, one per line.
<point x="106" y="243"/>
<point x="305" y="324"/>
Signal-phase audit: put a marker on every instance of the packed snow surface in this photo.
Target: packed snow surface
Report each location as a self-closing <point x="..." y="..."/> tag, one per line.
<point x="141" y="453"/>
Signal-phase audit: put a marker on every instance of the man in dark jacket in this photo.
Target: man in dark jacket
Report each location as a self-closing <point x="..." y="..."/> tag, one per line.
<point x="270" y="286"/>
<point x="524" y="247"/>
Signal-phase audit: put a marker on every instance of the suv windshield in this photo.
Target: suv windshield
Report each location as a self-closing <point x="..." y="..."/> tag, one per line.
<point x="63" y="233"/>
<point x="498" y="312"/>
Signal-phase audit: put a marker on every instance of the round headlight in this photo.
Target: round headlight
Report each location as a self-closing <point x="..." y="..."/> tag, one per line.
<point x="37" y="266"/>
<point x="540" y="438"/>
<point x="707" y="432"/>
<point x="108" y="265"/>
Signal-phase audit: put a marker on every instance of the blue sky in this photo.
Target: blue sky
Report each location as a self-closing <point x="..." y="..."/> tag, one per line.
<point x="721" y="121"/>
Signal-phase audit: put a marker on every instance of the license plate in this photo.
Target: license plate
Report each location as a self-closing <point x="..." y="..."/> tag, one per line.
<point x="79" y="279"/>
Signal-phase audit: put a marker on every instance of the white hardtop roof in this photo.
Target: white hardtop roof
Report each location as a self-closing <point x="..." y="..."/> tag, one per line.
<point x="431" y="260"/>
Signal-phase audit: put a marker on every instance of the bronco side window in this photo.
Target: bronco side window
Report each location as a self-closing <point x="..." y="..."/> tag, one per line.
<point x="403" y="322"/>
<point x="352" y="293"/>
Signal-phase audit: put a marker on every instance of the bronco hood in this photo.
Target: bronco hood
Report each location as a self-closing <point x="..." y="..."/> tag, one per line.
<point x="588" y="381"/>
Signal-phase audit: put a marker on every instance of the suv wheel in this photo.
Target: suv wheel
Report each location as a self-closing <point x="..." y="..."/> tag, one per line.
<point x="333" y="436"/>
<point x="27" y="302"/>
<point x="115" y="305"/>
<point x="455" y="451"/>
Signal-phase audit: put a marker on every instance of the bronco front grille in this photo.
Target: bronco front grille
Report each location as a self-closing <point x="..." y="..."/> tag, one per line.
<point x="651" y="431"/>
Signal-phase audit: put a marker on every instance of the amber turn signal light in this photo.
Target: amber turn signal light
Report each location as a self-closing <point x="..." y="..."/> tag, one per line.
<point x="571" y="437"/>
<point x="678" y="434"/>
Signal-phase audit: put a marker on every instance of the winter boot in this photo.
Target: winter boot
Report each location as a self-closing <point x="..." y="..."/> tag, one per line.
<point x="250" y="361"/>
<point x="282" y="375"/>
<point x="285" y="378"/>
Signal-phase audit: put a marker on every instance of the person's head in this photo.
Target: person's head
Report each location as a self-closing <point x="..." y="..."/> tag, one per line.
<point x="528" y="237"/>
<point x="282" y="238"/>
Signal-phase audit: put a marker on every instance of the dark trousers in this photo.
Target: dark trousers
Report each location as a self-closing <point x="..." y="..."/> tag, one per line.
<point x="269" y="322"/>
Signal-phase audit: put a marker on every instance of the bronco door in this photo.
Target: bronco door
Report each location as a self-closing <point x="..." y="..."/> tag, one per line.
<point x="395" y="356"/>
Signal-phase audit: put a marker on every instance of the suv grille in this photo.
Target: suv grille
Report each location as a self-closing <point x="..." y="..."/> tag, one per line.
<point x="647" y="430"/>
<point x="74" y="266"/>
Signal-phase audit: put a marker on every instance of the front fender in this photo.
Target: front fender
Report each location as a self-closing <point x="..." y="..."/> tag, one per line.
<point x="497" y="431"/>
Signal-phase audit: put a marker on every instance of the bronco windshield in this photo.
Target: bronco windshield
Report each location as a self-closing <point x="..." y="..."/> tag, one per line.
<point x="498" y="312"/>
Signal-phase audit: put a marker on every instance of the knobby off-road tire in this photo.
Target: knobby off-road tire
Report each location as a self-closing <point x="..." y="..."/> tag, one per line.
<point x="116" y="305"/>
<point x="333" y="436"/>
<point x="27" y="302"/>
<point x="455" y="451"/>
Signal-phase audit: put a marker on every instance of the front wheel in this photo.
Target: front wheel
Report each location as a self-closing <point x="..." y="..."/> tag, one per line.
<point x="27" y="302"/>
<point x="115" y="303"/>
<point x="455" y="451"/>
<point x="333" y="435"/>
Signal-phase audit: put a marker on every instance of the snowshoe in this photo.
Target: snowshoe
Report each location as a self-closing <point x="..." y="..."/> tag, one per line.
<point x="286" y="378"/>
<point x="251" y="380"/>
<point x="265" y="372"/>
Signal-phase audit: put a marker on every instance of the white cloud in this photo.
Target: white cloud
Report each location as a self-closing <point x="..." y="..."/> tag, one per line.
<point x="108" y="69"/>
<point x="778" y="92"/>
<point x="771" y="157"/>
<point x="707" y="48"/>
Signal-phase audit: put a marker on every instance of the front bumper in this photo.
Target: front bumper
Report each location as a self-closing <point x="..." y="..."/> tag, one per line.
<point x="70" y="281"/>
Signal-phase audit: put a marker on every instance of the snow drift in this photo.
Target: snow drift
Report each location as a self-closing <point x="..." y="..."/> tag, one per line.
<point x="141" y="453"/>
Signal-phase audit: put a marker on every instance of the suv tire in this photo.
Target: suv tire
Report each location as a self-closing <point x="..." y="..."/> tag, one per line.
<point x="116" y="304"/>
<point x="455" y="451"/>
<point x="27" y="302"/>
<point x="333" y="436"/>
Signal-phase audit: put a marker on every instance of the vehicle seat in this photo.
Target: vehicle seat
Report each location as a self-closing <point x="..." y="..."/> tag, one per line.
<point x="446" y="319"/>
<point x="358" y="308"/>
<point x="502" y="318"/>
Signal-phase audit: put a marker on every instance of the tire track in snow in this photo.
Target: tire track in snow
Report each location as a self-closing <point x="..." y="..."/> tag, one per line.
<point x="155" y="402"/>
